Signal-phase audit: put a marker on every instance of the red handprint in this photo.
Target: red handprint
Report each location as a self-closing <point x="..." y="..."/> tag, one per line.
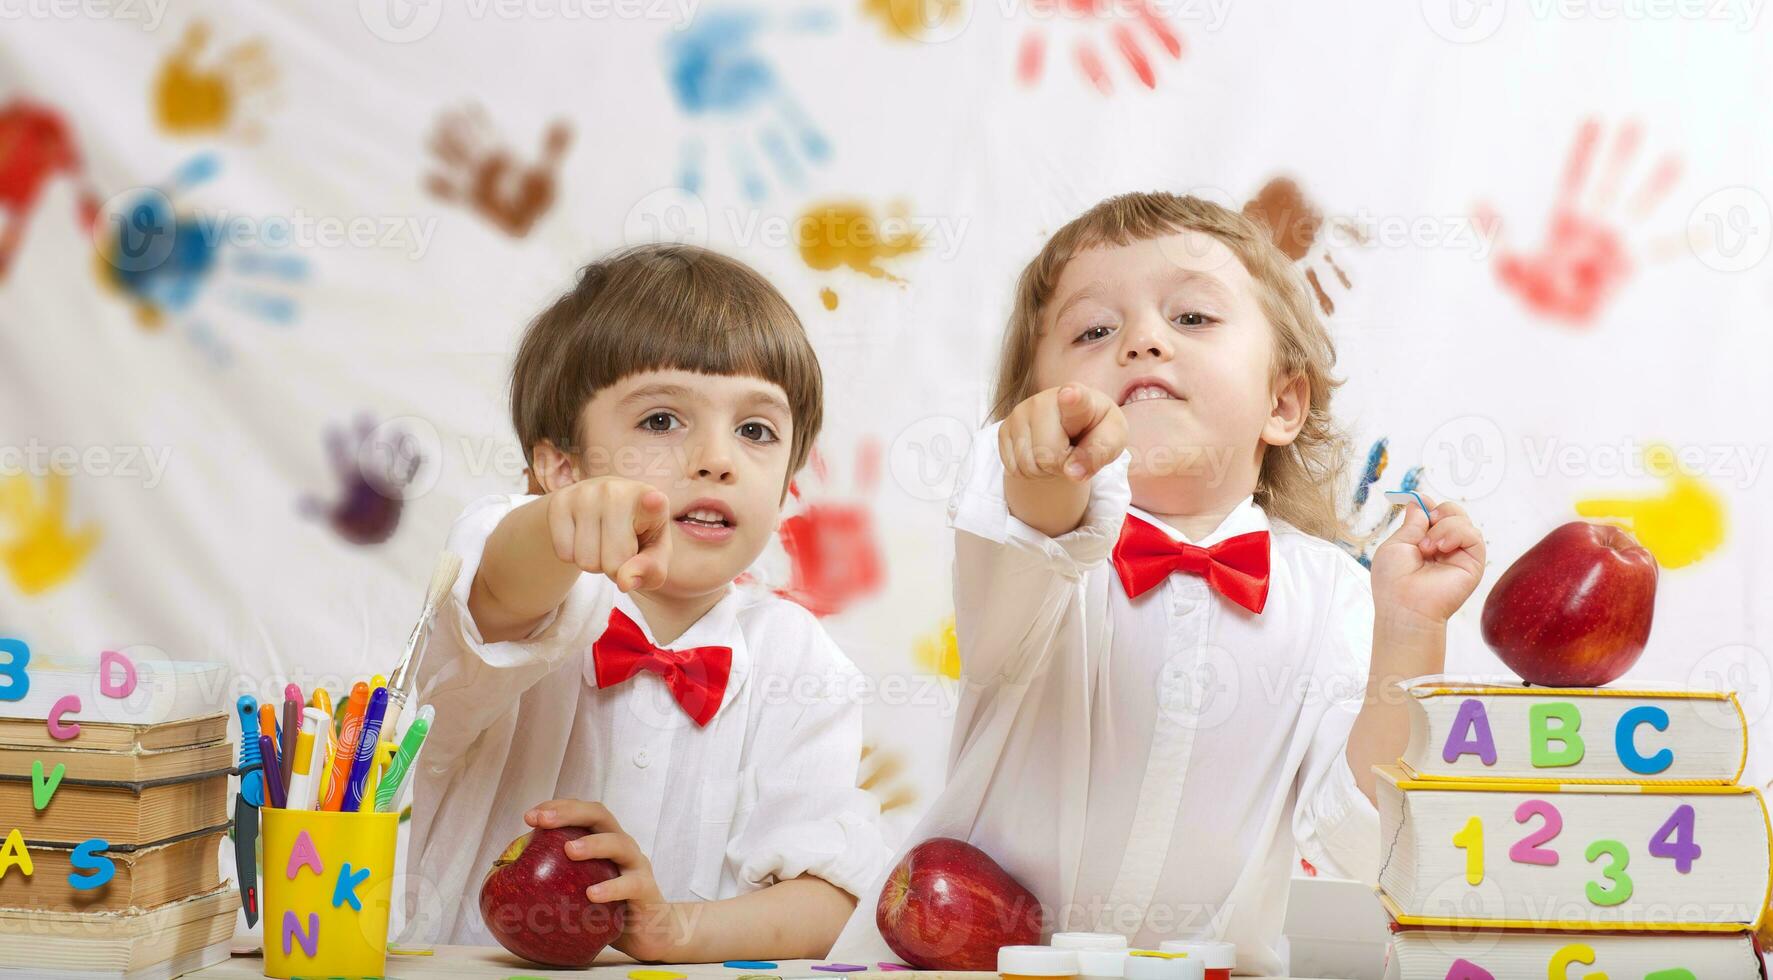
<point x="831" y="547"/>
<point x="1585" y="258"/>
<point x="1116" y="19"/>
<point x="35" y="145"/>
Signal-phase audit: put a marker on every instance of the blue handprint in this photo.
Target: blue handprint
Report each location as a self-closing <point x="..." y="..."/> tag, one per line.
<point x="1359" y="541"/>
<point x="164" y="261"/>
<point x="719" y="76"/>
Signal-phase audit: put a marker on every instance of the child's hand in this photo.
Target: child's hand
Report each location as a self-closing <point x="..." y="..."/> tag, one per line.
<point x="1070" y="431"/>
<point x="613" y="526"/>
<point x="646" y="930"/>
<point x="1428" y="571"/>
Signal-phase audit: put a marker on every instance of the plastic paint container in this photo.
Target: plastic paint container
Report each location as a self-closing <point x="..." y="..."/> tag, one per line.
<point x="1218" y="958"/>
<point x="1145" y="964"/>
<point x="1100" y="955"/>
<point x="1036" y="963"/>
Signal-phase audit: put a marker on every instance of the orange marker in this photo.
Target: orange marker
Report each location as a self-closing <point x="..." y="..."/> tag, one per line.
<point x="347" y="747"/>
<point x="268" y="726"/>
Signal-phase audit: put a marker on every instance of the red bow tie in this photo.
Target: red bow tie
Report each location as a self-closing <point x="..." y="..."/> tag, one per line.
<point x="1236" y="568"/>
<point x="696" y="676"/>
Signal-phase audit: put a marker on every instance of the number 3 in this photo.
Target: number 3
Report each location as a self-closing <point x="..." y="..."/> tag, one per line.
<point x="1614" y="872"/>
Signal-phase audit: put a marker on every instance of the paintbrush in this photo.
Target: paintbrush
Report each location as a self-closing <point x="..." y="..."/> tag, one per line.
<point x="403" y="679"/>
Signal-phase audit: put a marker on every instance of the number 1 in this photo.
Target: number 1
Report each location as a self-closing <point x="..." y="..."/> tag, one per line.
<point x="1472" y="840"/>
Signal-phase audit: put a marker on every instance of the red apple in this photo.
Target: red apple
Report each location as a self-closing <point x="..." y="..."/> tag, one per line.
<point x="533" y="900"/>
<point x="948" y="906"/>
<point x="1574" y="611"/>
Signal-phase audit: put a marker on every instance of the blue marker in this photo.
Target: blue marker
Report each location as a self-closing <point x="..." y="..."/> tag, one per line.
<point x="361" y="764"/>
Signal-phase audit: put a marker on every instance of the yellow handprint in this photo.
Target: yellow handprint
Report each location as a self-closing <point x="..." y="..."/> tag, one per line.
<point x="1679" y="526"/>
<point x="41" y="553"/>
<point x="882" y="773"/>
<point x="939" y="652"/>
<point x="191" y="99"/>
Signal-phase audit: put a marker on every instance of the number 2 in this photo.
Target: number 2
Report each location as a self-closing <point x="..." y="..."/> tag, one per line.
<point x="1471" y="838"/>
<point x="1527" y="849"/>
<point x="1614" y="872"/>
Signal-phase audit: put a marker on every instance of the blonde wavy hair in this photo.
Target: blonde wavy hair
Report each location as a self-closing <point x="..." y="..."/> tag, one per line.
<point x="1299" y="483"/>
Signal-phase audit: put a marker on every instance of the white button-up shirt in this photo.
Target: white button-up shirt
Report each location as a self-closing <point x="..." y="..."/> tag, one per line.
<point x="1146" y="766"/>
<point x="766" y="792"/>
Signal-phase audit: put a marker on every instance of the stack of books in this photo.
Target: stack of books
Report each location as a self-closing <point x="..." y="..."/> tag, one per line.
<point x="112" y="833"/>
<point x="1531" y="831"/>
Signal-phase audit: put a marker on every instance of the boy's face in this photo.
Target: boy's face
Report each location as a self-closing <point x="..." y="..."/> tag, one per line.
<point x="718" y="446"/>
<point x="1171" y="329"/>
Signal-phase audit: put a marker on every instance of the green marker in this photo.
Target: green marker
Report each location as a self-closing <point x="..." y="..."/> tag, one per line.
<point x="388" y="790"/>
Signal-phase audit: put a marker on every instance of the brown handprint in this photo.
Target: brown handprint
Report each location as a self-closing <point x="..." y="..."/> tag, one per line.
<point x="478" y="169"/>
<point x="191" y="99"/>
<point x="1585" y="258"/>
<point x="1295" y="223"/>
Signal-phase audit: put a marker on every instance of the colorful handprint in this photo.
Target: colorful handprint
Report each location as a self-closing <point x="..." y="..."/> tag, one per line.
<point x="1585" y="258"/>
<point x="1680" y="525"/>
<point x="193" y="98"/>
<point x="375" y="466"/>
<point x="1295" y="224"/>
<point x="726" y="85"/>
<point x="834" y="557"/>
<point x="163" y="262"/>
<point x="477" y="169"/>
<point x="938" y="652"/>
<point x="36" y="145"/>
<point x="1093" y="23"/>
<point x="915" y="20"/>
<point x="1360" y="535"/>
<point x="882" y="774"/>
<point x="41" y="551"/>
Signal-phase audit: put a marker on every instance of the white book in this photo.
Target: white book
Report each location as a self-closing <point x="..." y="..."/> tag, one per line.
<point x="1638" y="858"/>
<point x="163" y="690"/>
<point x="1444" y="954"/>
<point x="1462" y="728"/>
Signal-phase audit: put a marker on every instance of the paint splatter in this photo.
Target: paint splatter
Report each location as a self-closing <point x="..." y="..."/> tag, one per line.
<point x="833" y="554"/>
<point x="846" y="234"/>
<point x="938" y="652"/>
<point x="1362" y="534"/>
<point x="1295" y="224"/>
<point x="915" y="20"/>
<point x="1091" y="25"/>
<point x="224" y="97"/>
<point x="828" y="297"/>
<point x="1585" y="258"/>
<point x="41" y="551"/>
<point x="882" y="774"/>
<point x="163" y="262"/>
<point x="36" y="144"/>
<point x="1680" y="525"/>
<point x="729" y="88"/>
<point x="476" y="168"/>
<point x="375" y="466"/>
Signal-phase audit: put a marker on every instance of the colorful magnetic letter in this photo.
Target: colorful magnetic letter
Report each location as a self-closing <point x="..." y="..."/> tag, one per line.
<point x="14" y="852"/>
<point x="1467" y="970"/>
<point x="346" y="889"/>
<point x="1624" y="740"/>
<point x="1678" y="973"/>
<point x="86" y="857"/>
<point x="42" y="789"/>
<point x="1674" y="839"/>
<point x="292" y="929"/>
<point x="302" y="854"/>
<point x="123" y="688"/>
<point x="63" y="705"/>
<point x="18" y="683"/>
<point x="1541" y="734"/>
<point x="1471" y="733"/>
<point x="1527" y="850"/>
<point x="1573" y="953"/>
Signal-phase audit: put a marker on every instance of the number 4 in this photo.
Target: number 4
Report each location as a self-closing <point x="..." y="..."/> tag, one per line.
<point x="1675" y="839"/>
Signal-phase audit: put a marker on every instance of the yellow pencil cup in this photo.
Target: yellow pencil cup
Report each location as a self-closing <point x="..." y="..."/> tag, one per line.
<point x="327" y="884"/>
